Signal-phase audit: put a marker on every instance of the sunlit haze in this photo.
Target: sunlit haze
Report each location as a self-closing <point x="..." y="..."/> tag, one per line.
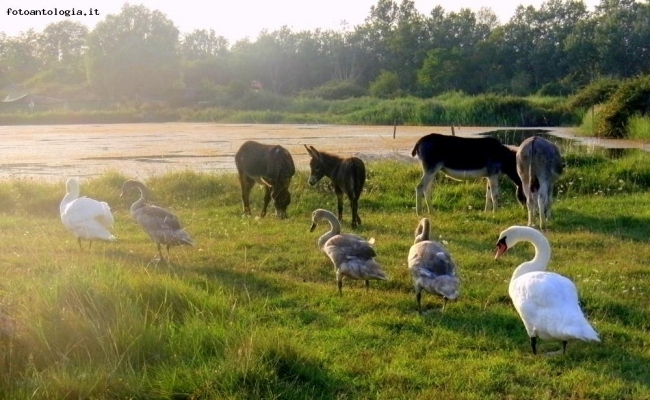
<point x="239" y="18"/>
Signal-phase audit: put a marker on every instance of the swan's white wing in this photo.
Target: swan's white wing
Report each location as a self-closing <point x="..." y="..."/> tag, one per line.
<point x="84" y="209"/>
<point x="548" y="305"/>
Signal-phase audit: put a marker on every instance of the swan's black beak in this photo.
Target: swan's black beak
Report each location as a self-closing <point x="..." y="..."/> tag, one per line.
<point x="313" y="226"/>
<point x="502" y="247"/>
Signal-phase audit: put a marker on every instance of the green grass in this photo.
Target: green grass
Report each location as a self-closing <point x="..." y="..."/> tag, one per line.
<point x="639" y="127"/>
<point x="252" y="311"/>
<point x="265" y="107"/>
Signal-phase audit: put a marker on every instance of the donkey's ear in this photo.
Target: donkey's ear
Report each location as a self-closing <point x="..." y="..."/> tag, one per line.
<point x="308" y="150"/>
<point x="314" y="152"/>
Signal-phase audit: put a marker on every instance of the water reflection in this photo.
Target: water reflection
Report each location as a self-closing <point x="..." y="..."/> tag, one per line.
<point x="516" y="136"/>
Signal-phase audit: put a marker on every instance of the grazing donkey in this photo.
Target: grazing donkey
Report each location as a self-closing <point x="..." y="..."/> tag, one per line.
<point x="539" y="164"/>
<point x="347" y="174"/>
<point x="465" y="158"/>
<point x="270" y="165"/>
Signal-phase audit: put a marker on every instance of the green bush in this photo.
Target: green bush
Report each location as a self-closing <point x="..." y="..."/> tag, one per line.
<point x="337" y="90"/>
<point x="386" y="86"/>
<point x="595" y="93"/>
<point x="554" y="89"/>
<point x="632" y="97"/>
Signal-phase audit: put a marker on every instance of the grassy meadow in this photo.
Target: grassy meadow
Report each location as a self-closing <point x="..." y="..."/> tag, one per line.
<point x="252" y="311"/>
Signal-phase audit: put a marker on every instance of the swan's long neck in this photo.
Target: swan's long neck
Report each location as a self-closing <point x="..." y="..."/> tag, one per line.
<point x="422" y="232"/>
<point x="542" y="254"/>
<point x="72" y="193"/>
<point x="140" y="202"/>
<point x="335" y="229"/>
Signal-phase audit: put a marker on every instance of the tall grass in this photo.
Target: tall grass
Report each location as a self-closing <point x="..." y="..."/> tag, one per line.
<point x="263" y="107"/>
<point x="639" y="127"/>
<point x="252" y="310"/>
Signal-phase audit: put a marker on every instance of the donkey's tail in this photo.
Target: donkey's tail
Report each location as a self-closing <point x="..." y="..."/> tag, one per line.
<point x="533" y="181"/>
<point x="416" y="148"/>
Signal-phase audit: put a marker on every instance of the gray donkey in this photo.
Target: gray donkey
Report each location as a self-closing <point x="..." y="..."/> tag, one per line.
<point x="539" y="164"/>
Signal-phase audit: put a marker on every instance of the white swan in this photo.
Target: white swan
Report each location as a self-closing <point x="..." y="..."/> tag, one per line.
<point x="431" y="267"/>
<point x="87" y="219"/>
<point x="547" y="302"/>
<point x="353" y="257"/>
<point x="162" y="226"/>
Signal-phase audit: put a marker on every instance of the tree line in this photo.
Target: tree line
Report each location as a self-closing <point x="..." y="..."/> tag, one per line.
<point x="140" y="54"/>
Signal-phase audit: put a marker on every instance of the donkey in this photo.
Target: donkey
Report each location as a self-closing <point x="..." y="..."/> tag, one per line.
<point x="270" y="165"/>
<point x="465" y="158"/>
<point x="539" y="165"/>
<point x="347" y="174"/>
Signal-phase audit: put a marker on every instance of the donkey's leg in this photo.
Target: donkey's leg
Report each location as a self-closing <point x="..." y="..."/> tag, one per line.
<point x="267" y="199"/>
<point x="339" y="200"/>
<point x="492" y="192"/>
<point x="542" y="199"/>
<point x="530" y="201"/>
<point x="354" y="204"/>
<point x="549" y="201"/>
<point x="488" y="194"/>
<point x="423" y="190"/>
<point x="531" y="204"/>
<point x="247" y="184"/>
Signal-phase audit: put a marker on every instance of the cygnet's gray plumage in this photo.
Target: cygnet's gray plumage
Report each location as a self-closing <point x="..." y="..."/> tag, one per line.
<point x="162" y="226"/>
<point x="431" y="267"/>
<point x="353" y="256"/>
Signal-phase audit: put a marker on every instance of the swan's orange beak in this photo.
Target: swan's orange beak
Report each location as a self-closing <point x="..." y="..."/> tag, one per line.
<point x="502" y="247"/>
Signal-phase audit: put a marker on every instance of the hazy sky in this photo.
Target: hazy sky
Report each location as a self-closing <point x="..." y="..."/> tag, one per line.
<point x="236" y="19"/>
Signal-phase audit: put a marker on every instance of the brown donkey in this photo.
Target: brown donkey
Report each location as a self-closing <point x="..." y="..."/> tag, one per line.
<point x="270" y="165"/>
<point x="347" y="174"/>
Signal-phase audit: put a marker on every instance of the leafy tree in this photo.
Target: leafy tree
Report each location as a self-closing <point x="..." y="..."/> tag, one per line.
<point x="581" y="53"/>
<point x="437" y="75"/>
<point x="206" y="59"/>
<point x="61" y="47"/>
<point x="201" y="44"/>
<point x="386" y="85"/>
<point x="554" y="22"/>
<point x="269" y="60"/>
<point x="63" y="43"/>
<point x="406" y="49"/>
<point x="134" y="53"/>
<point x="20" y="58"/>
<point x="622" y="37"/>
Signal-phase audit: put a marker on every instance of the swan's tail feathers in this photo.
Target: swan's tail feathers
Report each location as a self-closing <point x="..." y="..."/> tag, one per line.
<point x="447" y="286"/>
<point x="588" y="334"/>
<point x="579" y="329"/>
<point x="187" y="241"/>
<point x="374" y="271"/>
<point x="184" y="238"/>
